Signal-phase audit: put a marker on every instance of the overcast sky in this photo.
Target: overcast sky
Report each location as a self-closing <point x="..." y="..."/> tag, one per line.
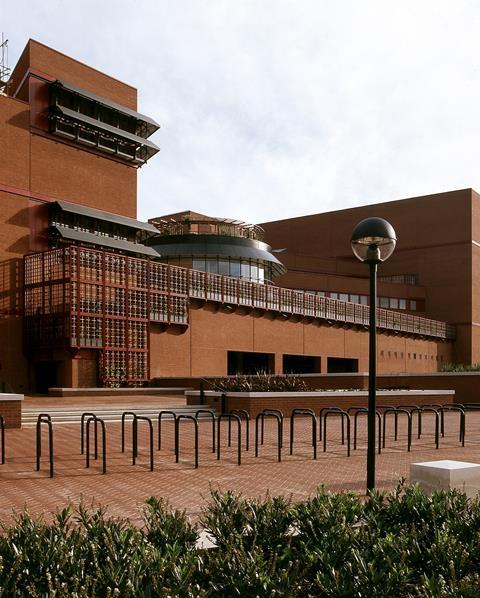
<point x="276" y="108"/>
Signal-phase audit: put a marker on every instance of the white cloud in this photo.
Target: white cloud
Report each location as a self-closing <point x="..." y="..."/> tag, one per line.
<point x="277" y="108"/>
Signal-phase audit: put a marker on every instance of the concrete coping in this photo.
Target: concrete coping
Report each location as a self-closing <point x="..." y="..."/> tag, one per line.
<point x="447" y="474"/>
<point x="10" y="396"/>
<point x="325" y="393"/>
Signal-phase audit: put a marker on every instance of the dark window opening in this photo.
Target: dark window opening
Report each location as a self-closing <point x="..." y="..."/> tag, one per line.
<point x="301" y="364"/>
<point x="45" y="375"/>
<point x="341" y="365"/>
<point x="244" y="362"/>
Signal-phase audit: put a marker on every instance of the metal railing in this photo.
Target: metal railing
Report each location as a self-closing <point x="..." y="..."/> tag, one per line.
<point x="160" y="292"/>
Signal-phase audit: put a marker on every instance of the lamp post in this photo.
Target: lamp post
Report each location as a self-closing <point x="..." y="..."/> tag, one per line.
<point x="373" y="241"/>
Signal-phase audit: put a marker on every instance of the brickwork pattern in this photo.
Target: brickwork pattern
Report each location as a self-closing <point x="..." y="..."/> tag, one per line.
<point x="125" y="487"/>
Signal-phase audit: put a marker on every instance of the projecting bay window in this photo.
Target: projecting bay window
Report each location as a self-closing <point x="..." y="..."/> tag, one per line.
<point x="85" y="118"/>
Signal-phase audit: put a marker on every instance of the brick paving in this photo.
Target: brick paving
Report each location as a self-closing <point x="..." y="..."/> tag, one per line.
<point x="125" y="487"/>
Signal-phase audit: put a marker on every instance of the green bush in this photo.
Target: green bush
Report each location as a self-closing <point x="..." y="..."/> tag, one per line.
<point x="402" y="544"/>
<point x="460" y="367"/>
<point x="260" y="382"/>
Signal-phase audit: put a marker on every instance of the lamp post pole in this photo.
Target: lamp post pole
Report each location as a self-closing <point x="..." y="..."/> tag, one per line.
<point x="373" y="241"/>
<point x="372" y="378"/>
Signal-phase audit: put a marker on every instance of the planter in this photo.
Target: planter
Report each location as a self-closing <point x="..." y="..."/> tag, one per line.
<point x="254" y="402"/>
<point x="11" y="409"/>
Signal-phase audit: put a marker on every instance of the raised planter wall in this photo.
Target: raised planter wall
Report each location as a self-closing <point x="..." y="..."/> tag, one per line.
<point x="465" y="384"/>
<point x="255" y="402"/>
<point x="11" y="409"/>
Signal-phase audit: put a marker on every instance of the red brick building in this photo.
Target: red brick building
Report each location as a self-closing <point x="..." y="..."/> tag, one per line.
<point x="91" y="296"/>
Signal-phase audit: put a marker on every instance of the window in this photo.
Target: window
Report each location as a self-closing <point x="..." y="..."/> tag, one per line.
<point x="301" y="364"/>
<point x="245" y="362"/>
<point x="333" y="295"/>
<point x="343" y="296"/>
<point x="354" y="299"/>
<point x="402" y="304"/>
<point x="384" y="302"/>
<point x="245" y="269"/>
<point x="413" y="305"/>
<point x="211" y="266"/>
<point x="394" y="303"/>
<point x="235" y="269"/>
<point x="198" y="264"/>
<point x="363" y="299"/>
<point x="338" y="365"/>
<point x="223" y="267"/>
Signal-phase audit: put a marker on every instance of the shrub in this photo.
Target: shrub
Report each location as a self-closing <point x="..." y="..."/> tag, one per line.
<point x="460" y="367"/>
<point x="402" y="544"/>
<point x="260" y="382"/>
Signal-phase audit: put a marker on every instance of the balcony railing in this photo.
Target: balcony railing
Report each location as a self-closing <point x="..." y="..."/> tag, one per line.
<point x="213" y="287"/>
<point x="95" y="285"/>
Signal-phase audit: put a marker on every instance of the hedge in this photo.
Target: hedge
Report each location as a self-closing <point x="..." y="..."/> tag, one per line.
<point x="405" y="543"/>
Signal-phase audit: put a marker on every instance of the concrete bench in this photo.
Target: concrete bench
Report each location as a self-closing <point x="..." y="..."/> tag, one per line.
<point x="446" y="474"/>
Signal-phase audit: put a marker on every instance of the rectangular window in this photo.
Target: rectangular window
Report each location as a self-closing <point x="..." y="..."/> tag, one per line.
<point x="393" y="303"/>
<point x="246" y="362"/>
<point x="301" y="364"/>
<point x="354" y="299"/>
<point x="198" y="264"/>
<point x="245" y="270"/>
<point x="384" y="302"/>
<point x="211" y="266"/>
<point x="339" y="365"/>
<point x="402" y="304"/>
<point x="223" y="267"/>
<point x="235" y="269"/>
<point x="364" y="299"/>
<point x="333" y="295"/>
<point x="343" y="296"/>
<point x="413" y="305"/>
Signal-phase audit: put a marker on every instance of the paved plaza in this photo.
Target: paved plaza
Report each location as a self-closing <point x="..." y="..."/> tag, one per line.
<point x="125" y="486"/>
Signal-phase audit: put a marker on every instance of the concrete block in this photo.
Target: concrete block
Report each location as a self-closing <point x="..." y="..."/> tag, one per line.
<point x="447" y="474"/>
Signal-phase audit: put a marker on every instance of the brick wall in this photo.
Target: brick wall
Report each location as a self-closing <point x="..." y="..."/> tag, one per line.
<point x="254" y="405"/>
<point x="12" y="413"/>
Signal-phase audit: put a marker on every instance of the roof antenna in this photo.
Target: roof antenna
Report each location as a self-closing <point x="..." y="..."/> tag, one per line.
<point x="4" y="69"/>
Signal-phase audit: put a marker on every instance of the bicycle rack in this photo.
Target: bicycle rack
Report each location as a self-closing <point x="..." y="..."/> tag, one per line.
<point x="82" y="432"/>
<point x="202" y="393"/>
<point x="241" y="413"/>
<point x="96" y="420"/>
<point x="320" y="417"/>
<point x="270" y="413"/>
<point x="223" y="400"/>
<point x="44" y="418"/>
<point x="420" y="411"/>
<point x="344" y="414"/>
<point x="304" y="412"/>
<point x="136" y="419"/>
<point x="124" y="415"/>
<point x="236" y="418"/>
<point x="160" y="416"/>
<point x="212" y="415"/>
<point x="461" y="412"/>
<point x="411" y="408"/>
<point x="396" y="411"/>
<point x="177" y="437"/>
<point x="355" y="425"/>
